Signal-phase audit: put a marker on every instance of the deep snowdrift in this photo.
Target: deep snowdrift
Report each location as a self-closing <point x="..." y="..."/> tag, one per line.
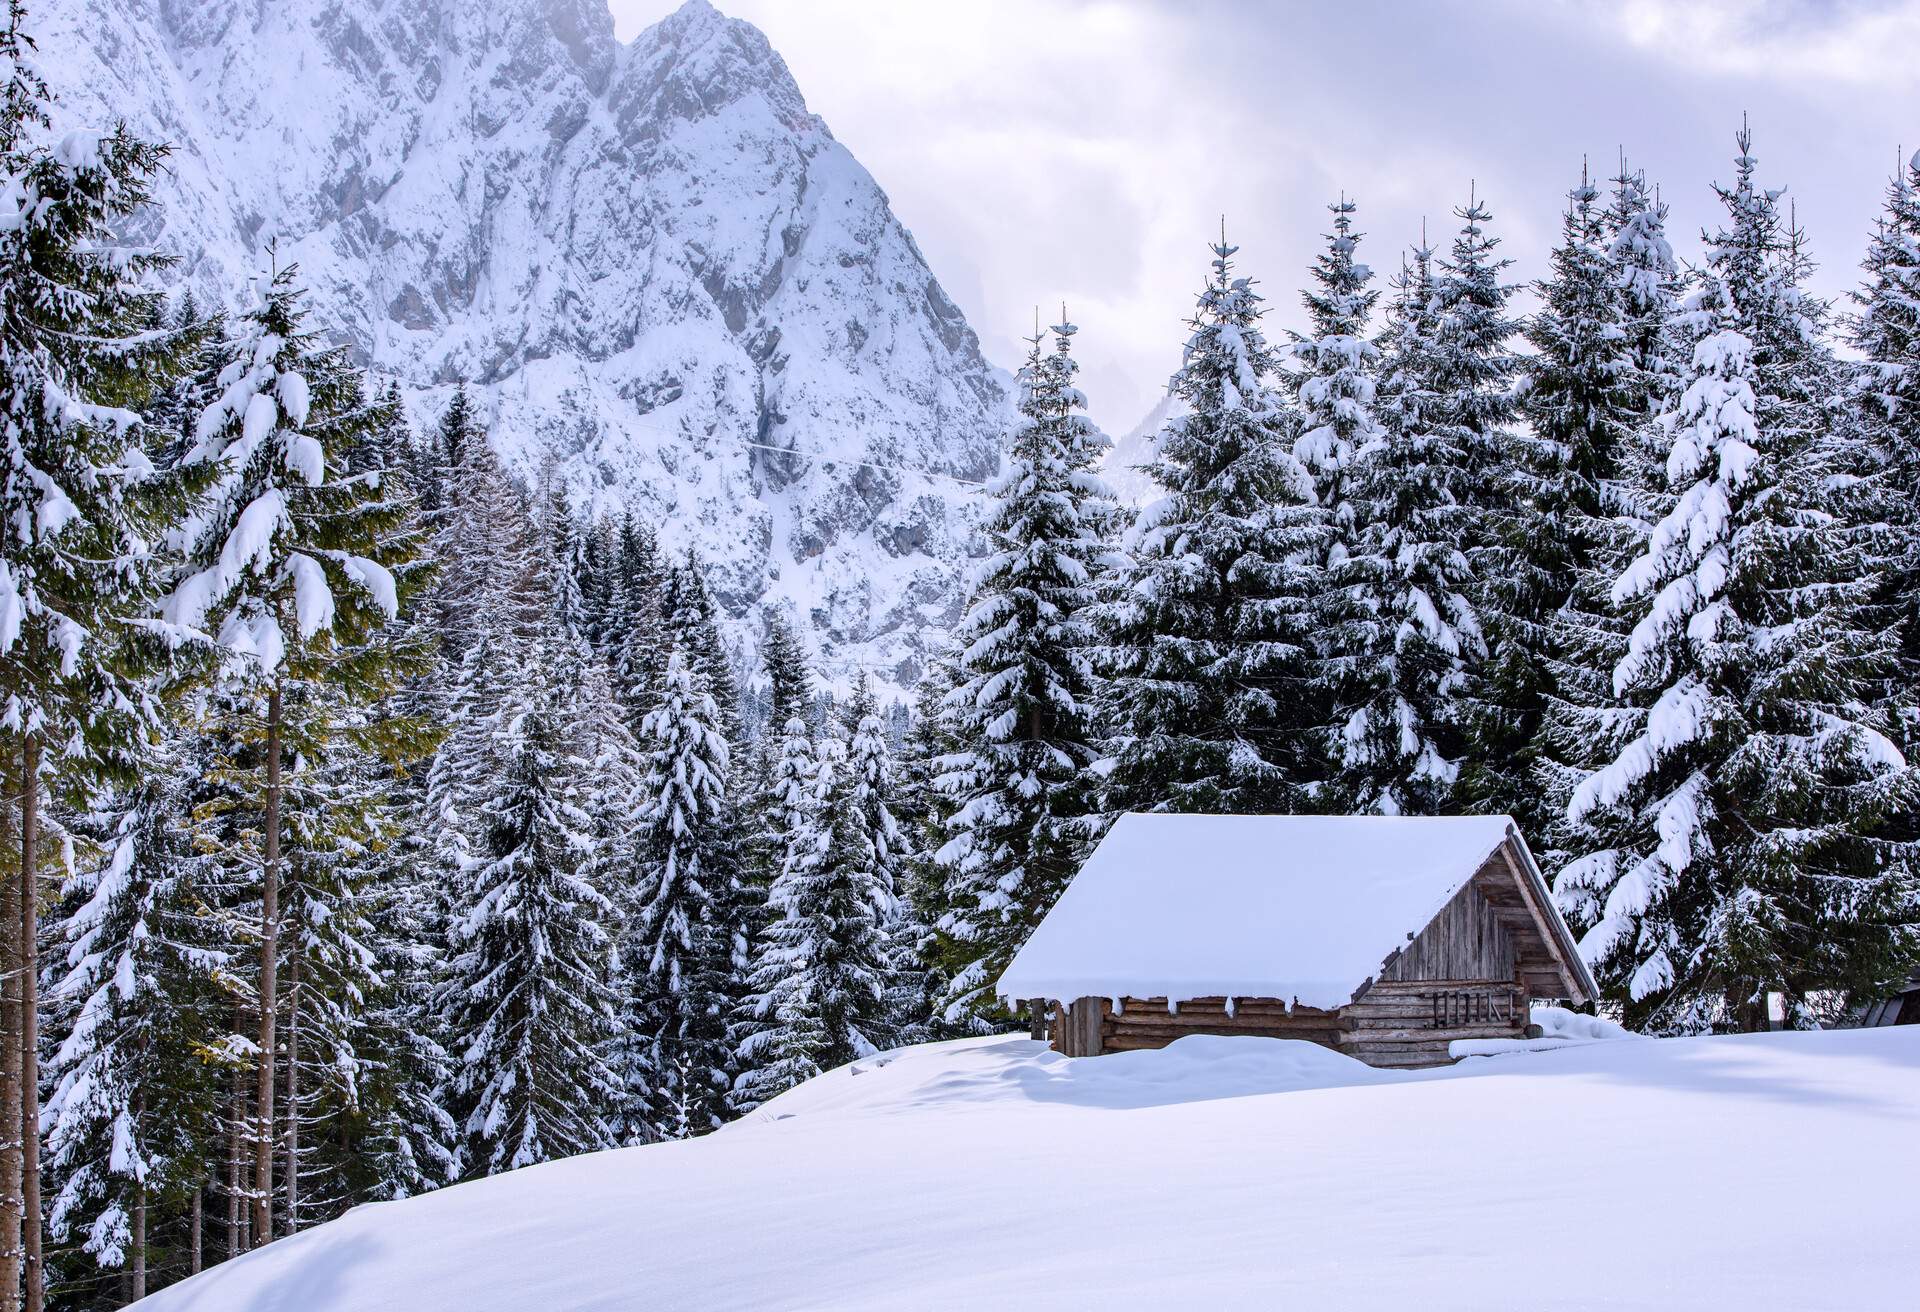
<point x="1770" y="1171"/>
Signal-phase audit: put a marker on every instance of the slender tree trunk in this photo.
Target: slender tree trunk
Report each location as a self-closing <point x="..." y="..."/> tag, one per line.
<point x="292" y="1167"/>
<point x="235" y="1244"/>
<point x="140" y="1244"/>
<point x="269" y="982"/>
<point x="196" y="1225"/>
<point x="9" y="1072"/>
<point x="36" y="1289"/>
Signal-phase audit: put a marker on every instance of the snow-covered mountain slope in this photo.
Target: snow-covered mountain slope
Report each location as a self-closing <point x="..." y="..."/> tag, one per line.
<point x="648" y="255"/>
<point x="1122" y="468"/>
<point x="1759" y="1172"/>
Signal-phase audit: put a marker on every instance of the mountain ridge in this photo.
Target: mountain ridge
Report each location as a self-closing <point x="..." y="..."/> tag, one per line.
<point x="650" y="258"/>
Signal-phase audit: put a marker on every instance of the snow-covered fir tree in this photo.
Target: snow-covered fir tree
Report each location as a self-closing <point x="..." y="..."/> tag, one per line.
<point x="637" y="631"/>
<point x="1730" y="851"/>
<point x="679" y="951"/>
<point x="529" y="1003"/>
<point x="1572" y="516"/>
<point x="872" y="794"/>
<point x="820" y="981"/>
<point x="1471" y="377"/>
<point x="1648" y="280"/>
<point x="1885" y="425"/>
<point x="132" y="1117"/>
<point x="923" y="958"/>
<point x="290" y="575"/>
<point x="1334" y="380"/>
<point x="1406" y="632"/>
<point x="775" y="1051"/>
<point x="1207" y="643"/>
<point x="1021" y="785"/>
<point x="82" y="345"/>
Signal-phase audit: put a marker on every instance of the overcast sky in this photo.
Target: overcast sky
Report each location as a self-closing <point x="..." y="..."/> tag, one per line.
<point x="1049" y="149"/>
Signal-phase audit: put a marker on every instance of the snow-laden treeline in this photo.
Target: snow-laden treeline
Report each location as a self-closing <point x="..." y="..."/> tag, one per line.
<point x="381" y="826"/>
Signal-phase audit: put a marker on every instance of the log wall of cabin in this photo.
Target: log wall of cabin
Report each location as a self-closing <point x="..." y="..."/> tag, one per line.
<point x="1392" y="1026"/>
<point x="1393" y="1023"/>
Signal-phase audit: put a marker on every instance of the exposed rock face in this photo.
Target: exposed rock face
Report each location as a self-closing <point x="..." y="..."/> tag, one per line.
<point x="649" y="256"/>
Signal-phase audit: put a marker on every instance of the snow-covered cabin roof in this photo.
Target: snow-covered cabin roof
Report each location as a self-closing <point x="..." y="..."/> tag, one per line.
<point x="1294" y="907"/>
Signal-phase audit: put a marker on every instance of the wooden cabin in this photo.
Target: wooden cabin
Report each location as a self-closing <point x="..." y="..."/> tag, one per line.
<point x="1387" y="938"/>
<point x="1901" y="1007"/>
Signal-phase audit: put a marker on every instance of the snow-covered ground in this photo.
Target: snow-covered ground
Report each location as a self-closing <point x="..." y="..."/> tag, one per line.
<point x="1766" y="1171"/>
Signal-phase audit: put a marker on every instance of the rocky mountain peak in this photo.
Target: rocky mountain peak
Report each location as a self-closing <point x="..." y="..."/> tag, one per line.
<point x="667" y="280"/>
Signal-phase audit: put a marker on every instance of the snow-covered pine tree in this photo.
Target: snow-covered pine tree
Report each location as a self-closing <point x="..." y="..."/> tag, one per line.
<point x="289" y="569"/>
<point x="880" y="847"/>
<point x="737" y="901"/>
<point x="340" y="821"/>
<point x="679" y="952"/>
<point x="1648" y="281"/>
<point x="1406" y="631"/>
<point x="638" y="640"/>
<point x="820" y="983"/>
<point x="1572" y="509"/>
<point x="788" y="695"/>
<point x="1334" y="381"/>
<point x="1472" y="378"/>
<point x="1886" y="419"/>
<point x="562" y="552"/>
<point x="1020" y="783"/>
<point x="774" y="1052"/>
<point x="82" y="346"/>
<point x="599" y="558"/>
<point x="443" y="455"/>
<point x="132" y="1119"/>
<point x="923" y="962"/>
<point x="1733" y="832"/>
<point x="789" y="679"/>
<point x="408" y="1142"/>
<point x="529" y="1003"/>
<point x="1207" y="644"/>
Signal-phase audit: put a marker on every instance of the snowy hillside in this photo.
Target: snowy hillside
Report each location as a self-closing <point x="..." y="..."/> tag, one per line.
<point x="1219" y="1172"/>
<point x="1123" y="470"/>
<point x="650" y="255"/>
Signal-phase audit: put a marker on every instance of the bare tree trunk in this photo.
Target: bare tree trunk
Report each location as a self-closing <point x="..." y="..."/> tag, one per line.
<point x="196" y="1225"/>
<point x="140" y="1244"/>
<point x="292" y="1168"/>
<point x="9" y="1070"/>
<point x="36" y="1289"/>
<point x="269" y="982"/>
<point x="235" y="1244"/>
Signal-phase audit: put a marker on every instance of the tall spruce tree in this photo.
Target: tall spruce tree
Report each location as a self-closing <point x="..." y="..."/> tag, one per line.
<point x="1207" y="644"/>
<point x="1471" y="377"/>
<point x="1407" y="632"/>
<point x="771" y="1055"/>
<point x="82" y="346"/>
<point x="1021" y="786"/>
<point x="879" y="845"/>
<point x="529" y="1002"/>
<point x="820" y="986"/>
<point x="679" y="954"/>
<point x="1572" y="508"/>
<point x="1648" y="281"/>
<point x="1334" y="381"/>
<point x="132" y="1117"/>
<point x="923" y="957"/>
<point x="1886" y="425"/>
<point x="1734" y="830"/>
<point x="290" y="572"/>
